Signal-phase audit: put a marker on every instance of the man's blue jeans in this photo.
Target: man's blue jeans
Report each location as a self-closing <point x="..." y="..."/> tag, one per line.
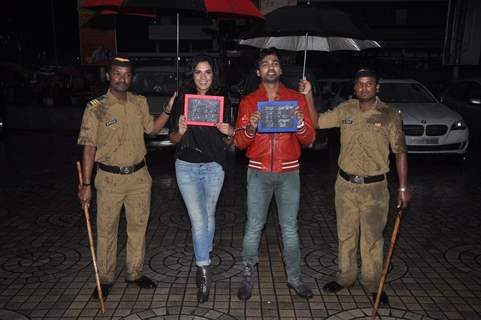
<point x="286" y="188"/>
<point x="200" y="185"/>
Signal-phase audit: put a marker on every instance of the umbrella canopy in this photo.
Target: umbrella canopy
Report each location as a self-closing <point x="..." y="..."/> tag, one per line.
<point x="228" y="8"/>
<point x="313" y="43"/>
<point x="318" y="20"/>
<point x="133" y="12"/>
<point x="321" y="29"/>
<point x="219" y="8"/>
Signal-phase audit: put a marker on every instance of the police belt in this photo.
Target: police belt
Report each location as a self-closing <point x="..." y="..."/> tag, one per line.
<point x="122" y="170"/>
<point x="360" y="179"/>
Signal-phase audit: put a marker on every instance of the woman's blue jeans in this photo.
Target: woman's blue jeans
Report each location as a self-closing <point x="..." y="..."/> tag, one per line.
<point x="200" y="185"/>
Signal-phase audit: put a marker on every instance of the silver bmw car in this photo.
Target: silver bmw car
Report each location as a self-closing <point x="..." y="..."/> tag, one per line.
<point x="429" y="126"/>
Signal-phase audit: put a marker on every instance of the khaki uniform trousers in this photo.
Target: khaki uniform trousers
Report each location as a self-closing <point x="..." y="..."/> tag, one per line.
<point x="361" y="213"/>
<point x="113" y="191"/>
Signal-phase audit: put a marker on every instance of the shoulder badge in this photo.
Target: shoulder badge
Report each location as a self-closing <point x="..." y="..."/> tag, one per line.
<point x="93" y="103"/>
<point x="96" y="102"/>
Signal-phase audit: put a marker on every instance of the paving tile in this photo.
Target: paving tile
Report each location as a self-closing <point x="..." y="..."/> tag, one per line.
<point x="46" y="271"/>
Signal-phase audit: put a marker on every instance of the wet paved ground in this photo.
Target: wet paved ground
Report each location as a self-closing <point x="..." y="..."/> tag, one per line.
<point x="45" y="270"/>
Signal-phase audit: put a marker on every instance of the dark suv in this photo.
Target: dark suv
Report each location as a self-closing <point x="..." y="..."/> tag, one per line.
<point x="157" y="84"/>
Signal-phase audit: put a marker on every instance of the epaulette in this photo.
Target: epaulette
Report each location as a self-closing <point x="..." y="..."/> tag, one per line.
<point x="95" y="102"/>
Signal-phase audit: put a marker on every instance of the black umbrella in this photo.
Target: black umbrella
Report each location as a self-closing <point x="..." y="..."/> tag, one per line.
<point x="305" y="27"/>
<point x="220" y="8"/>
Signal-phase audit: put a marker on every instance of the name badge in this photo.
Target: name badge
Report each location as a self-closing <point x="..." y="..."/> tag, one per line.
<point x="111" y="122"/>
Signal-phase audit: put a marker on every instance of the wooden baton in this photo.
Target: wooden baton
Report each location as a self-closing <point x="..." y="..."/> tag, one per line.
<point x="91" y="244"/>
<point x="387" y="262"/>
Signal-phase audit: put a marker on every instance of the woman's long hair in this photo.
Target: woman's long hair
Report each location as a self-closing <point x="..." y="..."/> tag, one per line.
<point x="189" y="85"/>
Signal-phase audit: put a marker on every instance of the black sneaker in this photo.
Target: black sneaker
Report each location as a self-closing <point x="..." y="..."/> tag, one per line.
<point x="301" y="290"/>
<point x="143" y="282"/>
<point x="245" y="291"/>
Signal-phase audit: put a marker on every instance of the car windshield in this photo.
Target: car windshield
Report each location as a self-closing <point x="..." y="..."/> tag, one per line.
<point x="404" y="93"/>
<point x="154" y="83"/>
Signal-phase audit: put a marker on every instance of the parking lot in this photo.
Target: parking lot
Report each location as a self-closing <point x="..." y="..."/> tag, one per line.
<point x="46" y="273"/>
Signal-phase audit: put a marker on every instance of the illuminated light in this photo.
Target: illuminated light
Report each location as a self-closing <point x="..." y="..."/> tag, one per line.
<point x="458" y="125"/>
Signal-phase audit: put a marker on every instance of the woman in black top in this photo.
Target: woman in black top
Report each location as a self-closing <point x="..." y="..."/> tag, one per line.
<point x="200" y="158"/>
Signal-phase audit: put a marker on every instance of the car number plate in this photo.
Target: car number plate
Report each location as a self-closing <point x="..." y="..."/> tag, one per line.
<point x="422" y="141"/>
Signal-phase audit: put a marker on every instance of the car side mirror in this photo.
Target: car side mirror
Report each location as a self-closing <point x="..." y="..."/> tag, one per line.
<point x="475" y="101"/>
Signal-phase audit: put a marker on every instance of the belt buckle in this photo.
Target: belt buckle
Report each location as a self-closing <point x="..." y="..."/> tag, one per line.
<point x="358" y="179"/>
<point x="125" y="170"/>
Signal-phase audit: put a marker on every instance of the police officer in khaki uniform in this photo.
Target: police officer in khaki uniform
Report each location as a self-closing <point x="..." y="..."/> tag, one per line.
<point x="368" y="128"/>
<point x="112" y="134"/>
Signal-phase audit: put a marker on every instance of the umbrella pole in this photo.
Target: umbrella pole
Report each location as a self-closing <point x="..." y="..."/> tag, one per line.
<point x="305" y="58"/>
<point x="178" y="55"/>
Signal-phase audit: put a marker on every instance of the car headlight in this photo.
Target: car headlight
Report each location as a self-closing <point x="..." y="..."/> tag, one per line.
<point x="458" y="125"/>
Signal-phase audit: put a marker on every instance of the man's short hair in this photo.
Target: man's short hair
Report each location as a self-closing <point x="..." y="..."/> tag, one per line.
<point x="264" y="53"/>
<point x="366" y="72"/>
<point x="120" y="62"/>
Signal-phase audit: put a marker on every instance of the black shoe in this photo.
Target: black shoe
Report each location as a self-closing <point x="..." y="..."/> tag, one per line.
<point x="245" y="291"/>
<point x="105" y="291"/>
<point x="301" y="290"/>
<point x="143" y="282"/>
<point x="384" y="301"/>
<point x="332" y="287"/>
<point x="203" y="283"/>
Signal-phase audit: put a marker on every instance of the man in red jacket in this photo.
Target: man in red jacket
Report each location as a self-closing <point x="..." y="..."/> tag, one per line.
<point x="273" y="169"/>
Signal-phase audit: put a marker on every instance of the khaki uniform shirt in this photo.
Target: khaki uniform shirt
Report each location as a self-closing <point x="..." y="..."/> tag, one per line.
<point x="116" y="128"/>
<point x="366" y="136"/>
